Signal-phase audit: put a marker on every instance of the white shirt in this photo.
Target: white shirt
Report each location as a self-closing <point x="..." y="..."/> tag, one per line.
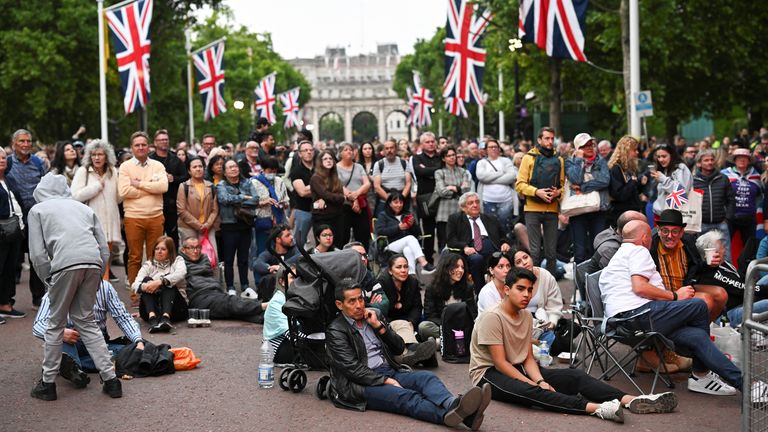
<point x="488" y="298"/>
<point x="483" y="231"/>
<point x="616" y="279"/>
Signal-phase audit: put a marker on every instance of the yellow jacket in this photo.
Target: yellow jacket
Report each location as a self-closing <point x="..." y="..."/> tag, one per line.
<point x="524" y="188"/>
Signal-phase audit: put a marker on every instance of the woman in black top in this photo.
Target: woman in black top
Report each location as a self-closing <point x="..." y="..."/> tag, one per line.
<point x="450" y="285"/>
<point x="328" y="197"/>
<point x="627" y="184"/>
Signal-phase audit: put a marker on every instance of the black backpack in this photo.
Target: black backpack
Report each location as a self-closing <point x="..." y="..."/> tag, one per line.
<point x="456" y="316"/>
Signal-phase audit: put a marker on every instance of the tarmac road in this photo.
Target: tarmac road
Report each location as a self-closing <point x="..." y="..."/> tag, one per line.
<point x="222" y="393"/>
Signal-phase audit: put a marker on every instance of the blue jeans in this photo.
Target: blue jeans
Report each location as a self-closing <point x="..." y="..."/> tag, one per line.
<point x="686" y="323"/>
<point x="422" y="396"/>
<point x="723" y="228"/>
<point x="736" y="315"/>
<point x="584" y="228"/>
<point x="258" y="245"/>
<point x="80" y="354"/>
<point x="302" y="222"/>
<point x="503" y="212"/>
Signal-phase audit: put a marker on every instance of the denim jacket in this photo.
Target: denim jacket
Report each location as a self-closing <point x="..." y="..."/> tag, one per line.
<point x="230" y="196"/>
<point x="601" y="178"/>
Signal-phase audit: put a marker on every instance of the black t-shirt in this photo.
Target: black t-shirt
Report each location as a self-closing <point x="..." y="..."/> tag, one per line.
<point x="175" y="167"/>
<point x="728" y="277"/>
<point x="301" y="172"/>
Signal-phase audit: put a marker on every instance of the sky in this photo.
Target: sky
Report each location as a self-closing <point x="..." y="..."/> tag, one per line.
<point x="304" y="28"/>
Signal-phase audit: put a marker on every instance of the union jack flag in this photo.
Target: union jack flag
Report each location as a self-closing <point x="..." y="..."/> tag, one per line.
<point x="422" y="103"/>
<point x="677" y="198"/>
<point x="209" y="67"/>
<point x="464" y="57"/>
<point x="411" y="109"/>
<point x="290" y="101"/>
<point x="265" y="98"/>
<point x="129" y="27"/>
<point x="556" y="26"/>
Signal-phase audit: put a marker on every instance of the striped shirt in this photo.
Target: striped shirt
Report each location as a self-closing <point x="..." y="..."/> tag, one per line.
<point x="673" y="265"/>
<point x="106" y="301"/>
<point x="392" y="174"/>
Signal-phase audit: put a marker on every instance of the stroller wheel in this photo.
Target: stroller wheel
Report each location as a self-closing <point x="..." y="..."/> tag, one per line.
<point x="322" y="387"/>
<point x="297" y="380"/>
<point x="284" y="378"/>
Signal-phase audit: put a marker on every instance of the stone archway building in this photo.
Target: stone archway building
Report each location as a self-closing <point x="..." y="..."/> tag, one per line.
<point x="349" y="85"/>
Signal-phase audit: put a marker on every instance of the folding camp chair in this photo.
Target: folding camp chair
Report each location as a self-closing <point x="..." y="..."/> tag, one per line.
<point x="578" y="308"/>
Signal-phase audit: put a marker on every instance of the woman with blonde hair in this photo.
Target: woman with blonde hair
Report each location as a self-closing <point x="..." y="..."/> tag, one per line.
<point x="626" y="183"/>
<point x="95" y="185"/>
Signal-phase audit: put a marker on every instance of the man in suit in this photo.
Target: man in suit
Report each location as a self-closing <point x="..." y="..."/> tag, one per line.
<point x="476" y="235"/>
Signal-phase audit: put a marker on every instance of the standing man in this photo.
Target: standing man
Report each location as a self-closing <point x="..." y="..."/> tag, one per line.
<point x="70" y="253"/>
<point x="301" y="198"/>
<point x="141" y="183"/>
<point x="541" y="180"/>
<point x="209" y="142"/>
<point x="25" y="170"/>
<point x="718" y="203"/>
<point x="266" y="145"/>
<point x="604" y="149"/>
<point x="250" y="165"/>
<point x="177" y="174"/>
<point x="391" y="173"/>
<point x="424" y="165"/>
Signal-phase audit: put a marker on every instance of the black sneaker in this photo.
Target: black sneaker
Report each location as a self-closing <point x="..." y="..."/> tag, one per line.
<point x="13" y="313"/>
<point x="154" y="324"/>
<point x="44" y="391"/>
<point x="418" y="353"/>
<point x="70" y="371"/>
<point x="113" y="388"/>
<point x="2" y="320"/>
<point x="165" y="324"/>
<point x="112" y="278"/>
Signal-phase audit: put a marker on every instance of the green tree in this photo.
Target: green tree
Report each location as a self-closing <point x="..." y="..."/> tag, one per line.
<point x="331" y="128"/>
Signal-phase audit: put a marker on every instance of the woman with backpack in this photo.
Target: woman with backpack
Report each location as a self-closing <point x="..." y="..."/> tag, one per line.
<point x="356" y="185"/>
<point x="449" y="286"/>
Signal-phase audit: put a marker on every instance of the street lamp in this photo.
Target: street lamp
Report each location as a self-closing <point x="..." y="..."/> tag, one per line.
<point x="238" y="104"/>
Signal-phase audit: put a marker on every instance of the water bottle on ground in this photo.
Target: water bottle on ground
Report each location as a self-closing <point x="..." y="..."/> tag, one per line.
<point x="458" y="336"/>
<point x="544" y="358"/>
<point x="266" y="366"/>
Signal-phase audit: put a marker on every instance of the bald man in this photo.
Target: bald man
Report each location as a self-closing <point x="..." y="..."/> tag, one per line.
<point x="607" y="242"/>
<point x="630" y="284"/>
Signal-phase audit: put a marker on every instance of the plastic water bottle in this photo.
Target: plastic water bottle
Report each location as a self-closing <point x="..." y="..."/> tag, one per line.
<point x="544" y="358"/>
<point x="266" y="366"/>
<point x="461" y="350"/>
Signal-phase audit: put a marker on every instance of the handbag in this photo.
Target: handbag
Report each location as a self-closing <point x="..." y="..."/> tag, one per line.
<point x="576" y="203"/>
<point x="10" y="230"/>
<point x="263" y="223"/>
<point x="245" y="214"/>
<point x="428" y="204"/>
<point x="207" y="248"/>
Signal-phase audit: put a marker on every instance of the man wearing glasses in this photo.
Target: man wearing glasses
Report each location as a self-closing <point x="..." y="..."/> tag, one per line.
<point x="679" y="263"/>
<point x="176" y="173"/>
<point x="301" y="198"/>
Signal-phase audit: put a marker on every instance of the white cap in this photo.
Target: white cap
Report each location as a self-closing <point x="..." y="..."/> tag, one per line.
<point x="582" y="139"/>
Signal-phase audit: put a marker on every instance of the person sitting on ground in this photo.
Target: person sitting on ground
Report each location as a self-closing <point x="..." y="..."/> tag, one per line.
<point x="275" y="322"/>
<point x="323" y="239"/>
<point x="477" y="236"/>
<point x="374" y="294"/>
<point x="501" y="355"/>
<point x="76" y="360"/>
<point x="402" y="232"/>
<point x="162" y="287"/>
<point x="281" y="239"/>
<point x="679" y="263"/>
<point x="205" y="292"/>
<point x="491" y="294"/>
<point x="450" y="285"/>
<point x="405" y="310"/>
<point x="546" y="303"/>
<point x="365" y="375"/>
<point x="631" y="284"/>
<point x="718" y="271"/>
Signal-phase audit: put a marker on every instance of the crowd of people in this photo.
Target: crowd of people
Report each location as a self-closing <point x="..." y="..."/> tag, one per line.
<point x="182" y="219"/>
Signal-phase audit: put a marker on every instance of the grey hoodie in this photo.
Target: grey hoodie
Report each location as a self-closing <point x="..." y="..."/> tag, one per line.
<point x="63" y="233"/>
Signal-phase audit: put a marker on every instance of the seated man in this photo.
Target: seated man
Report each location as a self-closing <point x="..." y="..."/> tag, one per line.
<point x="204" y="291"/>
<point x="608" y="241"/>
<point x="281" y="238"/>
<point x="631" y="284"/>
<point x="501" y="355"/>
<point x="679" y="263"/>
<point x="366" y="376"/>
<point x="75" y="357"/>
<point x="476" y="235"/>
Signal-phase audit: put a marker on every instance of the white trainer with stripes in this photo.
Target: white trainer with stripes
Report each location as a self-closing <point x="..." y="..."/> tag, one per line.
<point x="710" y="384"/>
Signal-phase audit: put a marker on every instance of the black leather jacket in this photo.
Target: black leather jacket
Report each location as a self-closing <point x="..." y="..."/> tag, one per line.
<point x="349" y="361"/>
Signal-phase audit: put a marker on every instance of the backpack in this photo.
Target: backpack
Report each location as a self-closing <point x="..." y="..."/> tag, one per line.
<point x="546" y="172"/>
<point x="381" y="165"/>
<point x="456" y="317"/>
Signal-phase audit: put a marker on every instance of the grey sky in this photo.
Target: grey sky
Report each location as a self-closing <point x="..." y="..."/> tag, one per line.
<point x="304" y="28"/>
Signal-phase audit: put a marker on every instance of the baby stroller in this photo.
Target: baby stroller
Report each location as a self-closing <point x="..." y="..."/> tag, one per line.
<point x="310" y="307"/>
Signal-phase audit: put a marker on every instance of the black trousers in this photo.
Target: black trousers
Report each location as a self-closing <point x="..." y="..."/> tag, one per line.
<point x="36" y="286"/>
<point x="441" y="240"/>
<point x="225" y="306"/>
<point x="160" y="302"/>
<point x="8" y="257"/>
<point x="359" y="224"/>
<point x="428" y="226"/>
<point x="573" y="389"/>
<point x="171" y="224"/>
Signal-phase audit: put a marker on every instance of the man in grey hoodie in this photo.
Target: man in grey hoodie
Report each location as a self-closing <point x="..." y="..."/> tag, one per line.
<point x="69" y="252"/>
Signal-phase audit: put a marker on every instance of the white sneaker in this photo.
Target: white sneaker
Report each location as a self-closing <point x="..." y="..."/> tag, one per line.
<point x="653" y="403"/>
<point x="710" y="384"/>
<point x="610" y="410"/>
<point x="759" y="393"/>
<point x="758" y="340"/>
<point x="232" y="292"/>
<point x="249" y="293"/>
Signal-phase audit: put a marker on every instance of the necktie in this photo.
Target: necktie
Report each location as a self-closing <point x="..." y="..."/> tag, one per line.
<point x="476" y="236"/>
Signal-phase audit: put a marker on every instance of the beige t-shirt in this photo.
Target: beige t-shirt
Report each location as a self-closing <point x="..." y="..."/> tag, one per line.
<point x="495" y="327"/>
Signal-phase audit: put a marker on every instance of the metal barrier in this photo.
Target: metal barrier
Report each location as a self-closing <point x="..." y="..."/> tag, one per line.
<point x="754" y="354"/>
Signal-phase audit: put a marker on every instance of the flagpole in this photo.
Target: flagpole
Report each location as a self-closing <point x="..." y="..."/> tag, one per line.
<point x="634" y="65"/>
<point x="501" y="112"/>
<point x="102" y="73"/>
<point x="119" y="5"/>
<point x="188" y="46"/>
<point x="481" y="118"/>
<point x="224" y="39"/>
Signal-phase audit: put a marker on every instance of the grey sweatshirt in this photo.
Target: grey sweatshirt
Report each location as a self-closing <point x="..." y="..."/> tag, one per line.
<point x="63" y="233"/>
